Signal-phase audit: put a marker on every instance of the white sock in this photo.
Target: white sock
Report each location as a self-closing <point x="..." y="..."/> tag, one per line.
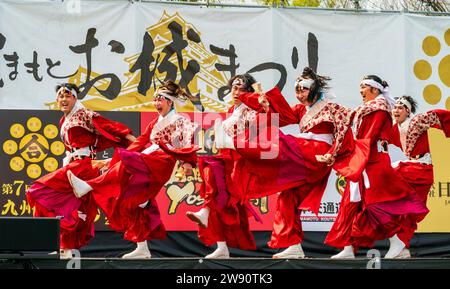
<point x="143" y="204"/>
<point x="395" y="239"/>
<point x="221" y="251"/>
<point x="82" y="216"/>
<point x="66" y="253"/>
<point x="299" y="245"/>
<point x="293" y="248"/>
<point x="142" y="245"/>
<point x="348" y="249"/>
<point x="203" y="211"/>
<point x="80" y="187"/>
<point x="346" y="253"/>
<point x="395" y="247"/>
<point x="222" y="245"/>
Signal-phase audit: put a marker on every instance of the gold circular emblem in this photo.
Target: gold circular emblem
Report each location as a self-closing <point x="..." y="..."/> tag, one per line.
<point x="50" y="131"/>
<point x="17" y="130"/>
<point x="50" y="164"/>
<point x="33" y="148"/>
<point x="17" y="164"/>
<point x="57" y="148"/>
<point x="10" y="147"/>
<point x="34" y="171"/>
<point x="34" y="124"/>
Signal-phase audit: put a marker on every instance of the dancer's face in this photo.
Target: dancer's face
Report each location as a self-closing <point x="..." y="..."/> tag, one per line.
<point x="400" y="113"/>
<point x="162" y="105"/>
<point x="301" y="93"/>
<point x="367" y="92"/>
<point x="235" y="91"/>
<point x="65" y="100"/>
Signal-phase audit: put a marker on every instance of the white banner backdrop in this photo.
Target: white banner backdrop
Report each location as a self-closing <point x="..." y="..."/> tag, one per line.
<point x="118" y="51"/>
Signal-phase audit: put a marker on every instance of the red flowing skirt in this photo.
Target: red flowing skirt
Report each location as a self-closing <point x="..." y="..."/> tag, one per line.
<point x="417" y="175"/>
<point x="135" y="179"/>
<point x="228" y="217"/>
<point x="390" y="206"/>
<point x="420" y="177"/>
<point x="295" y="165"/>
<point x="52" y="196"/>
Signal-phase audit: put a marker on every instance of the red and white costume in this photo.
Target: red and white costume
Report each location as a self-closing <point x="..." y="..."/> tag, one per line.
<point x="228" y="216"/>
<point x="295" y="171"/>
<point x="381" y="203"/>
<point x="84" y="133"/>
<point x="127" y="191"/>
<point x="411" y="136"/>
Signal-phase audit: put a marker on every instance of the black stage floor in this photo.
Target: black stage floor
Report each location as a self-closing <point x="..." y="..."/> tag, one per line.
<point x="183" y="250"/>
<point x="232" y="263"/>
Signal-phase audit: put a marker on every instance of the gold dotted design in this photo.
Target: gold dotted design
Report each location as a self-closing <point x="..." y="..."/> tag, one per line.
<point x="431" y="46"/>
<point x="447" y="37"/>
<point x="432" y="94"/>
<point x="34" y="171"/>
<point x="33" y="153"/>
<point x="50" y="164"/>
<point x="10" y="147"/>
<point x="34" y="124"/>
<point x="57" y="148"/>
<point x="422" y="69"/>
<point x="444" y="70"/>
<point x="33" y="147"/>
<point x="17" y="130"/>
<point x="17" y="164"/>
<point x="50" y="131"/>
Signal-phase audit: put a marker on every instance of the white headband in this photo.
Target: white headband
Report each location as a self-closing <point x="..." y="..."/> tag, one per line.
<point x="384" y="90"/>
<point x="238" y="82"/>
<point x="405" y="102"/>
<point x="372" y="83"/>
<point x="166" y="94"/>
<point x="304" y="82"/>
<point x="72" y="91"/>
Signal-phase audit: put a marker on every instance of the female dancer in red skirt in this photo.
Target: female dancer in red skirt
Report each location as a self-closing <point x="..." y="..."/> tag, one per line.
<point x="224" y="218"/>
<point x="84" y="133"/>
<point x="381" y="204"/>
<point x="127" y="191"/>
<point x="409" y="133"/>
<point x="302" y="164"/>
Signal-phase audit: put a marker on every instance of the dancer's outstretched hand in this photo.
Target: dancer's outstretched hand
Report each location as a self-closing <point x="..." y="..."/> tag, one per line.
<point x="130" y="137"/>
<point x="101" y="164"/>
<point x="262" y="99"/>
<point x="326" y="158"/>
